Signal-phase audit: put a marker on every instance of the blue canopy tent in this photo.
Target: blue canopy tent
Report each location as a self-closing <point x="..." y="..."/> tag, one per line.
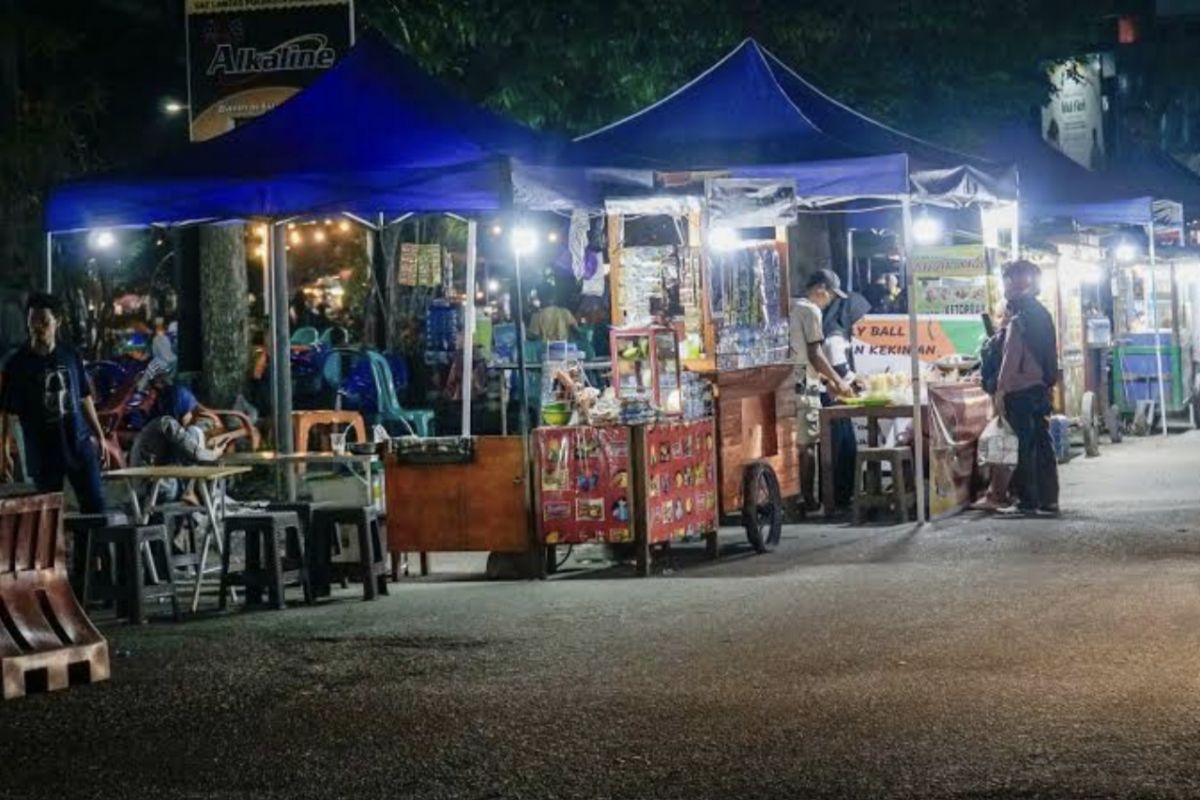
<point x="372" y="136"/>
<point x="750" y="116"/>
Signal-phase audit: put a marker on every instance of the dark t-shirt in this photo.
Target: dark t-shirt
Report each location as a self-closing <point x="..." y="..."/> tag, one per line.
<point x="45" y="393"/>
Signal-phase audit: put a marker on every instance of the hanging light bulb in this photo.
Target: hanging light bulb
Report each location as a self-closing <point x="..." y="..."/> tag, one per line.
<point x="927" y="230"/>
<point x="724" y="239"/>
<point x="319" y="235"/>
<point x="343" y="226"/>
<point x="296" y="237"/>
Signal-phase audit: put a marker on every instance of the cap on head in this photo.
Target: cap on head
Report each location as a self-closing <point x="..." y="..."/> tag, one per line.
<point x="825" y="279"/>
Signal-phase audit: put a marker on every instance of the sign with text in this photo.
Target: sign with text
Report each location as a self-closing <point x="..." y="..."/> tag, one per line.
<point x="880" y="341"/>
<point x="1073" y="119"/>
<point x="245" y="57"/>
<point x="951" y="279"/>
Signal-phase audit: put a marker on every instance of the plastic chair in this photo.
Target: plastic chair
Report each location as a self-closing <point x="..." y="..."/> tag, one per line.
<point x="336" y="336"/>
<point x="306" y="336"/>
<point x="389" y="410"/>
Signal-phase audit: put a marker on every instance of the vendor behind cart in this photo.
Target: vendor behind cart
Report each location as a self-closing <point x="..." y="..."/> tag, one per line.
<point x="811" y="366"/>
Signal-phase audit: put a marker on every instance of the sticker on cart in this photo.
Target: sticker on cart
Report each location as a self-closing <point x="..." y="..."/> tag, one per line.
<point x="556" y="510"/>
<point x="589" y="509"/>
<point x="620" y="510"/>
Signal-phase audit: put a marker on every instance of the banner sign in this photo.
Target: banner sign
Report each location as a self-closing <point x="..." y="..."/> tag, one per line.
<point x="1073" y="120"/>
<point x="245" y="57"/>
<point x="951" y="279"/>
<point x="750" y="203"/>
<point x="880" y="341"/>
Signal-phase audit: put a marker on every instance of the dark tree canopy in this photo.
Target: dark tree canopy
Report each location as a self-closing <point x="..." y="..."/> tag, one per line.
<point x="942" y="69"/>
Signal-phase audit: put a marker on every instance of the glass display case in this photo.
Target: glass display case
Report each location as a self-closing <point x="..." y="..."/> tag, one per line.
<point x="645" y="363"/>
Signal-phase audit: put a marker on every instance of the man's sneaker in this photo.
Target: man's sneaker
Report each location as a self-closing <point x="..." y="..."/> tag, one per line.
<point x="1016" y="510"/>
<point x="1050" y="510"/>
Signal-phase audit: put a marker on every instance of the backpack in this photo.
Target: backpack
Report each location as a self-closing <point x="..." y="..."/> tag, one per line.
<point x="991" y="355"/>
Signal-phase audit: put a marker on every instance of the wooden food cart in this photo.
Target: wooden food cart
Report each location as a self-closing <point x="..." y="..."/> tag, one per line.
<point x="730" y="308"/>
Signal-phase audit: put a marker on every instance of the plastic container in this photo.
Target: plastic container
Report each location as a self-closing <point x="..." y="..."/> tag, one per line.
<point x="1060" y="435"/>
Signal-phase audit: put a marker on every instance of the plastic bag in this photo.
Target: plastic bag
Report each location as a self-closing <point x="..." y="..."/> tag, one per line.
<point x="998" y="444"/>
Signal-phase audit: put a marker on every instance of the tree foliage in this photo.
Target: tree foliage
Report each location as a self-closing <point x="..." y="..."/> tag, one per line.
<point x="945" y="70"/>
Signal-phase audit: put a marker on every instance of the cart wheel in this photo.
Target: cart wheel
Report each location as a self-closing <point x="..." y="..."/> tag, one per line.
<point x="762" y="506"/>
<point x="1087" y="421"/>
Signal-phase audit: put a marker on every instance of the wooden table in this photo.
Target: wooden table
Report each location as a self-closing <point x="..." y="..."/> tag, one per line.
<point x="208" y="478"/>
<point x="872" y="414"/>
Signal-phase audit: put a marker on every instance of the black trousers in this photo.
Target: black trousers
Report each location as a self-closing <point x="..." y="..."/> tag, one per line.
<point x="50" y="474"/>
<point x="1035" y="481"/>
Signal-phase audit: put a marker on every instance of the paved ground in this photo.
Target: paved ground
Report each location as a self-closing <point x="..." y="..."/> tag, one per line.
<point x="972" y="659"/>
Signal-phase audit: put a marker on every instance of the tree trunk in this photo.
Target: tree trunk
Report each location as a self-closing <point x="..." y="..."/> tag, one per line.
<point x="223" y="313"/>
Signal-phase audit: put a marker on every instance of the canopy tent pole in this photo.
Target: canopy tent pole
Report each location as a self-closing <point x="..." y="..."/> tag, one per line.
<point x="849" y="259"/>
<point x="1158" y="354"/>
<point x="468" y="369"/>
<point x="523" y="417"/>
<point x="281" y="356"/>
<point x="1016" y="230"/>
<point x="918" y="425"/>
<point x="49" y="262"/>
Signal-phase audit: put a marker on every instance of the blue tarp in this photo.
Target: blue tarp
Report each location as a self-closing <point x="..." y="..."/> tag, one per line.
<point x="373" y="134"/>
<point x="750" y="114"/>
<point x="1166" y="176"/>
<point x="1054" y="186"/>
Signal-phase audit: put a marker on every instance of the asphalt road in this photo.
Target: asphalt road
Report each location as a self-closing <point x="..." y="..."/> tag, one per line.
<point x="975" y="658"/>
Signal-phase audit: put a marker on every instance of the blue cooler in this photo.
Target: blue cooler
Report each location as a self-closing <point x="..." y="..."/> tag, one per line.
<point x="1060" y="435"/>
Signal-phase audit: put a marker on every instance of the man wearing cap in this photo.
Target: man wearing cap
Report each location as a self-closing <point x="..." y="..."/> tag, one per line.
<point x="811" y="365"/>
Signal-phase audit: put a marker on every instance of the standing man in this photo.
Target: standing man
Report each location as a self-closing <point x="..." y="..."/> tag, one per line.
<point x="1028" y="371"/>
<point x="44" y="386"/>
<point x="811" y="365"/>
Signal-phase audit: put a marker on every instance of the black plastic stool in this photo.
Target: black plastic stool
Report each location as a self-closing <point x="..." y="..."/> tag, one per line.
<point x="128" y="587"/>
<point x="80" y="527"/>
<point x="275" y="557"/>
<point x="372" y="565"/>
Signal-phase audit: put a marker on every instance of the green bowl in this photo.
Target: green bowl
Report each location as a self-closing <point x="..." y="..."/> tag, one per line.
<point x="556" y="416"/>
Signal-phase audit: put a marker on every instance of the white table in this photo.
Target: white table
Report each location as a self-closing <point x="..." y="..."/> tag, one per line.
<point x="367" y="463"/>
<point x="208" y="480"/>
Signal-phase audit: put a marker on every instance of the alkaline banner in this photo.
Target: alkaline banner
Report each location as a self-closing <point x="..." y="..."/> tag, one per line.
<point x="951" y="279"/>
<point x="247" y="56"/>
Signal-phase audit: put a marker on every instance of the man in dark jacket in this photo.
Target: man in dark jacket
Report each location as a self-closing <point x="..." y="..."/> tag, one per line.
<point x="1028" y="371"/>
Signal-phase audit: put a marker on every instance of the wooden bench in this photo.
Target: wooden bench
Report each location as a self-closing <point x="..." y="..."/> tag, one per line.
<point x="46" y="639"/>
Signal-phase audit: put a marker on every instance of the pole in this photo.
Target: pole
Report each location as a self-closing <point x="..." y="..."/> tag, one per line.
<point x="469" y="328"/>
<point x="49" y="262"/>
<point x="526" y="460"/>
<point x="915" y="365"/>
<point x="1158" y="353"/>
<point x="1016" y="230"/>
<point x="849" y="259"/>
<point x="281" y="349"/>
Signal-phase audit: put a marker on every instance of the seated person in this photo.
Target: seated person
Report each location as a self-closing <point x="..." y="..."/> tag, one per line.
<point x="174" y="435"/>
<point x="552" y="322"/>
